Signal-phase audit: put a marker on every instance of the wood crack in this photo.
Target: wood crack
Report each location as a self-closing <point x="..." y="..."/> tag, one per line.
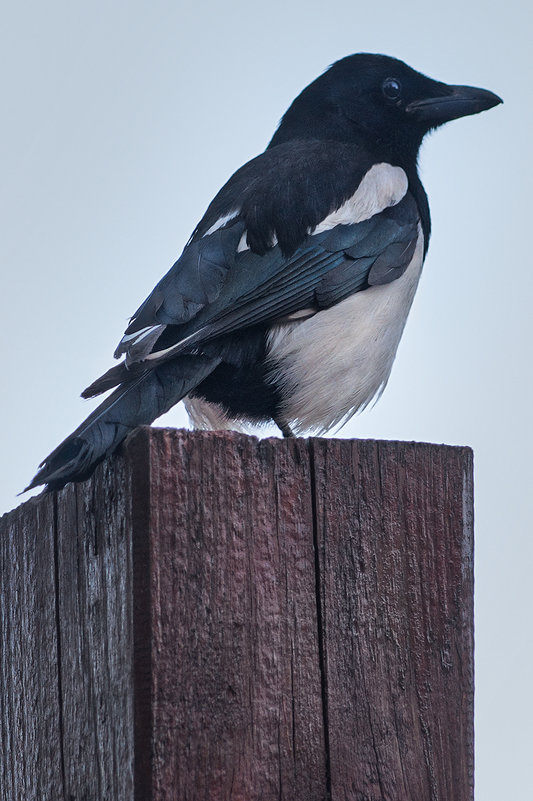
<point x="320" y="620"/>
<point x="61" y="732"/>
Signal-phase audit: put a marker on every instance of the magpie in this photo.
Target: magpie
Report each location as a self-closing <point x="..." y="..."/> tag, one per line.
<point x="290" y="298"/>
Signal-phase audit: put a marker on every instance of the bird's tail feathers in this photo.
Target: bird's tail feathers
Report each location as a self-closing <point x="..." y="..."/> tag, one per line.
<point x="139" y="402"/>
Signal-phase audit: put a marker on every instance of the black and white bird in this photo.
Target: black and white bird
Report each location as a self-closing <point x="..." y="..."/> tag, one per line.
<point x="290" y="298"/>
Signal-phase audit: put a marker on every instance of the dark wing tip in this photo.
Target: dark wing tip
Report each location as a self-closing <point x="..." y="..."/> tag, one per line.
<point x="59" y="467"/>
<point x="119" y="374"/>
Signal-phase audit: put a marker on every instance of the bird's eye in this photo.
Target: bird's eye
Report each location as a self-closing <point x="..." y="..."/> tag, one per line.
<point x="391" y="88"/>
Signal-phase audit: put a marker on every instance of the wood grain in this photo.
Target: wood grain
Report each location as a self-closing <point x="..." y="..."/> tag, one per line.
<point x="30" y="759"/>
<point x="394" y="529"/>
<point x="66" y="643"/>
<point x="235" y="670"/>
<point x="95" y="635"/>
<point x="217" y="618"/>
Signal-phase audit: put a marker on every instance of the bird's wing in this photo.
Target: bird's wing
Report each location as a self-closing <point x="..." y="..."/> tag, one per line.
<point x="277" y="197"/>
<point x="215" y="289"/>
<point x="325" y="269"/>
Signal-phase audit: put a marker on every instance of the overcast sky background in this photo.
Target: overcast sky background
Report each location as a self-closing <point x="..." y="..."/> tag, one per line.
<point x="120" y="121"/>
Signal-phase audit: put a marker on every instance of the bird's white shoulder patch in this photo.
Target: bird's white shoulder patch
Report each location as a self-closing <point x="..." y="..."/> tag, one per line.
<point x="335" y="363"/>
<point x="383" y="185"/>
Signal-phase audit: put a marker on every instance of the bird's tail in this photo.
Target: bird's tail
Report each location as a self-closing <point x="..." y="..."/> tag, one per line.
<point x="136" y="403"/>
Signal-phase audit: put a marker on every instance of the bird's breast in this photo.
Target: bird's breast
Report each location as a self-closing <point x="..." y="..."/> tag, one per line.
<point x="335" y="363"/>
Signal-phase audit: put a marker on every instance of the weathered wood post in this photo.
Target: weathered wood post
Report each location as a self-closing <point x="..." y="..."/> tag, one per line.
<point x="220" y="618"/>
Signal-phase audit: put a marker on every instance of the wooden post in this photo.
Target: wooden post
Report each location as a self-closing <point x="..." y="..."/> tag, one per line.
<point x="213" y="617"/>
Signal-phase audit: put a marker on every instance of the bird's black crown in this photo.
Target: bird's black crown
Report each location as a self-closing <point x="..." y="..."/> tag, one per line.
<point x="379" y="102"/>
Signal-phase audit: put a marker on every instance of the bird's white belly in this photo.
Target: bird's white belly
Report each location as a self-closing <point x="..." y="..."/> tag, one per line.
<point x="333" y="364"/>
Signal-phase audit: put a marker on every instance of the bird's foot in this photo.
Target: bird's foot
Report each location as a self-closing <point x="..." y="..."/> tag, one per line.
<point x="284" y="428"/>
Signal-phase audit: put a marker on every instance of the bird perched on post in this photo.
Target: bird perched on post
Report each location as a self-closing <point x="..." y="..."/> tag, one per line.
<point x="290" y="298"/>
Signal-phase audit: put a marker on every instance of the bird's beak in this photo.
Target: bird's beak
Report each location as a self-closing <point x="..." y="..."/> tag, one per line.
<point x="460" y="102"/>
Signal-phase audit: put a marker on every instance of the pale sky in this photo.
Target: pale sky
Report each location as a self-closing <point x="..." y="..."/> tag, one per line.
<point x="120" y="122"/>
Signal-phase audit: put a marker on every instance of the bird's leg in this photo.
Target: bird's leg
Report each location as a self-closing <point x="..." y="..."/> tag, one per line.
<point x="284" y="428"/>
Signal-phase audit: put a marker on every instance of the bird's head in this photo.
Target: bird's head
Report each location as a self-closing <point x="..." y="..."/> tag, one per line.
<point x="380" y="102"/>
